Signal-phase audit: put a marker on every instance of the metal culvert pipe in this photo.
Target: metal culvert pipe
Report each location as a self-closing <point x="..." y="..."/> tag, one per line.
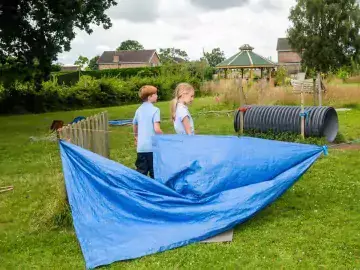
<point x="320" y="121"/>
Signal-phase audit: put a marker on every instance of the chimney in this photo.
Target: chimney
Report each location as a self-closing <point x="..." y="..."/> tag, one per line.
<point x="116" y="59"/>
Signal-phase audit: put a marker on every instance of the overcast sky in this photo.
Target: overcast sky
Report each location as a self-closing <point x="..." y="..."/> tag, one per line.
<point x="190" y="25"/>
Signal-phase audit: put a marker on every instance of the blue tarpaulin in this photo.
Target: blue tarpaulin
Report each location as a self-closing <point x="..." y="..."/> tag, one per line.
<point x="204" y="185"/>
<point x="120" y="122"/>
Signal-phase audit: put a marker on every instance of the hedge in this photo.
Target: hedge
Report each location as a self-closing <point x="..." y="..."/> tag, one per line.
<point x="194" y="69"/>
<point x="88" y="92"/>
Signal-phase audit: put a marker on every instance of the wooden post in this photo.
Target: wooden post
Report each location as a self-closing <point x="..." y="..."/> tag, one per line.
<point x="302" y="114"/>
<point x="314" y="91"/>
<point x="107" y="135"/>
<point x="242" y="74"/>
<point x="242" y="103"/>
<point x="261" y="70"/>
<point x="225" y="77"/>
<point x="319" y="88"/>
<point x="302" y="109"/>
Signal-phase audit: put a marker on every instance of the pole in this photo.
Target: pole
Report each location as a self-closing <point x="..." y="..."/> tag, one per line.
<point x="319" y="88"/>
<point x="242" y="103"/>
<point x="302" y="108"/>
<point x="314" y="90"/>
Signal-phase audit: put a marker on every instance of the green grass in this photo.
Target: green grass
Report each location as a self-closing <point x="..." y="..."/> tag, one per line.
<point x="315" y="224"/>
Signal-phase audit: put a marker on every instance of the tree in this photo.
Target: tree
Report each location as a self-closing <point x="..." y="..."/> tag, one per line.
<point x="56" y="67"/>
<point x="81" y="61"/>
<point x="130" y="45"/>
<point x="169" y="55"/>
<point x="93" y="63"/>
<point x="35" y="31"/>
<point x="215" y="57"/>
<point x="325" y="33"/>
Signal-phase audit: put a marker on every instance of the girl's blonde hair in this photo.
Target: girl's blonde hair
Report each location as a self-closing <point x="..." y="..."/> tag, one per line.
<point x="181" y="89"/>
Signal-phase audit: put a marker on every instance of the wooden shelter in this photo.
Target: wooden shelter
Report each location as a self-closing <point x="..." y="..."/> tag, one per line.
<point x="246" y="59"/>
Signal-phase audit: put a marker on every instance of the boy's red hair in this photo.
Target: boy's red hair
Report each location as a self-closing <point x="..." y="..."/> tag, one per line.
<point x="146" y="91"/>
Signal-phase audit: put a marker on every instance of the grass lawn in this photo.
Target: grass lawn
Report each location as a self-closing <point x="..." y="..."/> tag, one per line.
<point x="315" y="224"/>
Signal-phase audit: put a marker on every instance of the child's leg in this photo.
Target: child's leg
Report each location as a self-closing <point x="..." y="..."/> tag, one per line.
<point x="150" y="165"/>
<point x="142" y="163"/>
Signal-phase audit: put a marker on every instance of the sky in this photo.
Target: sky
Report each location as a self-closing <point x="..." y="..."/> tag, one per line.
<point x="190" y="25"/>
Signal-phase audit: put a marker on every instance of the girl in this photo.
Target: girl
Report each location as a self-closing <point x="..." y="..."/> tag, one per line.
<point x="184" y="96"/>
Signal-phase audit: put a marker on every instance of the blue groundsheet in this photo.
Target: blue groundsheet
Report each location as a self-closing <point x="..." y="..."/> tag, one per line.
<point x="204" y="185"/>
<point x="120" y="122"/>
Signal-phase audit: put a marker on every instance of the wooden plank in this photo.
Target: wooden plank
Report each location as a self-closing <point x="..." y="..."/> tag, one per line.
<point x="92" y="128"/>
<point x="96" y="134"/>
<point x="83" y="129"/>
<point x="73" y="134"/>
<point x="99" y="134"/>
<point x="80" y="134"/>
<point x="86" y="132"/>
<point x="68" y="133"/>
<point x="222" y="237"/>
<point x="103" y="133"/>
<point x="107" y="145"/>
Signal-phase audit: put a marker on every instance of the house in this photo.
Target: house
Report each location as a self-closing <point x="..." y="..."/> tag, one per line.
<point x="70" y="68"/>
<point x="288" y="57"/>
<point x="128" y="59"/>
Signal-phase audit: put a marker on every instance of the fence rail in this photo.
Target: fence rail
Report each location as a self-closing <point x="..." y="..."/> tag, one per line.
<point x="91" y="133"/>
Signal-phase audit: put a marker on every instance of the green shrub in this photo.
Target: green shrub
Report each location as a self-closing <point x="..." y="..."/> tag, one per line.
<point x="343" y="74"/>
<point x="89" y="92"/>
<point x="195" y="69"/>
<point x="280" y="76"/>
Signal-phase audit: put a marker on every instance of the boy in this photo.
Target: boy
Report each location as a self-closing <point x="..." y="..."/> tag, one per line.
<point x="146" y="123"/>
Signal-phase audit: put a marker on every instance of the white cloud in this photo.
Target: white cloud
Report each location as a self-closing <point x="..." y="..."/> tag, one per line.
<point x="135" y="10"/>
<point x="181" y="24"/>
<point x="102" y="48"/>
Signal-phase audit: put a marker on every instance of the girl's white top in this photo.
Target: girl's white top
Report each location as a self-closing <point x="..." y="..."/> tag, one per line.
<point x="181" y="112"/>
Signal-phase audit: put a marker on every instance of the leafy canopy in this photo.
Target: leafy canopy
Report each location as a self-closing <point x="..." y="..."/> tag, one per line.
<point x="130" y="45"/>
<point x="34" y="32"/>
<point x="325" y="32"/>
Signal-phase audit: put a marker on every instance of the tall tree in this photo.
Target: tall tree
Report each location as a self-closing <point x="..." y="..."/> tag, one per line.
<point x="169" y="55"/>
<point x="214" y="57"/>
<point x="35" y="31"/>
<point x="81" y="61"/>
<point x="130" y="45"/>
<point x="93" y="63"/>
<point x="325" y="32"/>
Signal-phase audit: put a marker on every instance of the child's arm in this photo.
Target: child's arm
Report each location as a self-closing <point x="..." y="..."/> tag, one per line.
<point x="156" y="121"/>
<point x="135" y="130"/>
<point x="135" y="127"/>
<point x="187" y="126"/>
<point x="157" y="128"/>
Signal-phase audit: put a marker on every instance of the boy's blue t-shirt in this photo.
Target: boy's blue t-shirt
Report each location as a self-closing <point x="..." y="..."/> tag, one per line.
<point x="145" y="117"/>
<point x="181" y="112"/>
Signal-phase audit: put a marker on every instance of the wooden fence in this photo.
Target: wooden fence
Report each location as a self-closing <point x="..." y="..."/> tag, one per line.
<point x="91" y="133"/>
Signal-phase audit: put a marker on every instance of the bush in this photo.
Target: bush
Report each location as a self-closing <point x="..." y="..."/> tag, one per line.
<point x="280" y="76"/>
<point x="343" y="74"/>
<point x="88" y="92"/>
<point x="192" y="69"/>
